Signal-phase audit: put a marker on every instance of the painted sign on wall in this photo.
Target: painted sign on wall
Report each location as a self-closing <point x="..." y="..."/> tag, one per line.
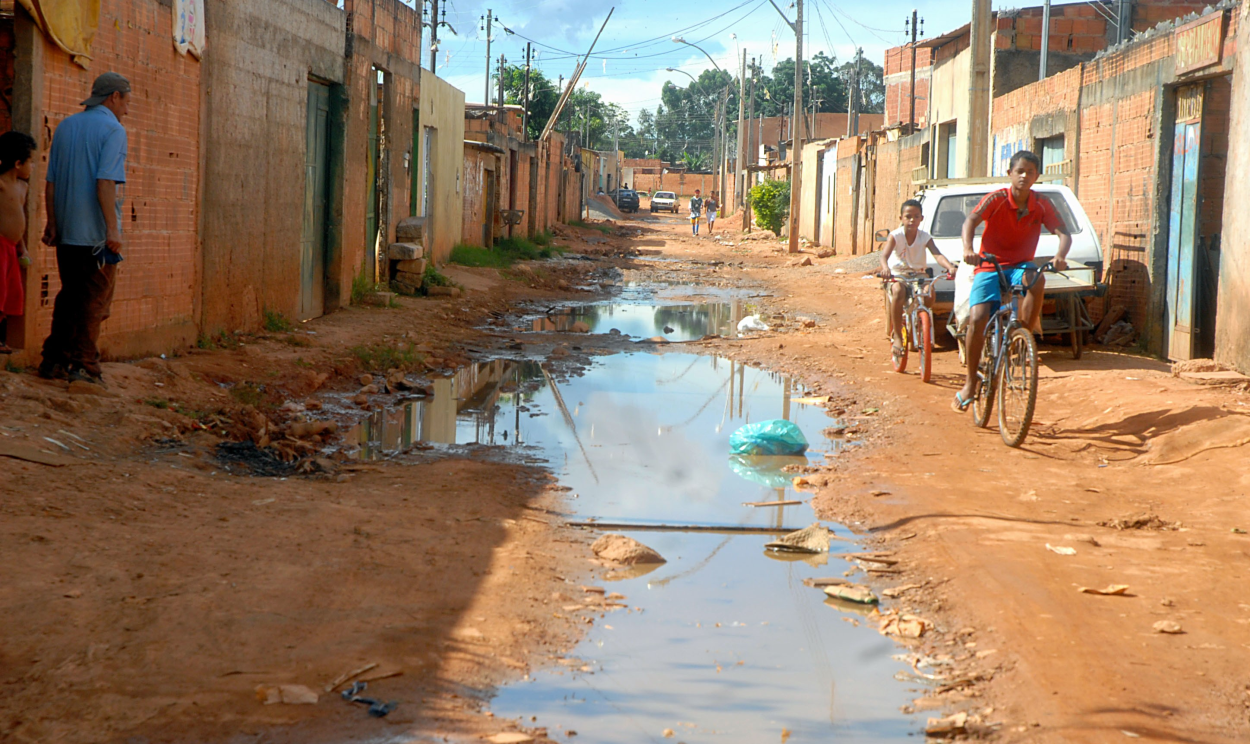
<point x="1006" y="143"/>
<point x="1199" y="44"/>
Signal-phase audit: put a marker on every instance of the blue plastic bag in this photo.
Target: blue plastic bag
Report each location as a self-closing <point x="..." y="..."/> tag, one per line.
<point x="776" y="437"/>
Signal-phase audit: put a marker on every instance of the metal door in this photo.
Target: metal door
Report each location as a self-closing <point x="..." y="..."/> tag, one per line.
<point x="1182" y="221"/>
<point x="371" y="173"/>
<point x="313" y="244"/>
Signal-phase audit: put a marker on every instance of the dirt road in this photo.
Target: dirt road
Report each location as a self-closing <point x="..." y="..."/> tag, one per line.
<point x="1140" y="473"/>
<point x="152" y="584"/>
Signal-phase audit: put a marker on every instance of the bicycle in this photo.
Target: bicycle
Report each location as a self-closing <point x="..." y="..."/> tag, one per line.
<point x="1008" y="364"/>
<point x="917" y="330"/>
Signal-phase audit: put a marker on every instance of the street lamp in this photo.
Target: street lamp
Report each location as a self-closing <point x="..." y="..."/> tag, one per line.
<point x="673" y="69"/>
<point x="680" y="40"/>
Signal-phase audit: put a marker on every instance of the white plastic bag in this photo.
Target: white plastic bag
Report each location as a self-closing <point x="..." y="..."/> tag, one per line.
<point x="751" y="323"/>
<point x="963" y="292"/>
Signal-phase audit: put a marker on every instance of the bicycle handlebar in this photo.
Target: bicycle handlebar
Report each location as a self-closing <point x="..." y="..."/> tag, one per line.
<point x="991" y="259"/>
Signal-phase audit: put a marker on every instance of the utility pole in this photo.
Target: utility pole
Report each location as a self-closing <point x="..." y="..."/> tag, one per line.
<point x="486" y="19"/>
<point x="976" y="150"/>
<point x="525" y="100"/>
<point x="560" y="87"/>
<point x="739" y="173"/>
<point x="503" y="116"/>
<point x="911" y="116"/>
<point x="750" y="152"/>
<point x="859" y="55"/>
<point x="796" y="150"/>
<point x="434" y="24"/>
<point x="1041" y="75"/>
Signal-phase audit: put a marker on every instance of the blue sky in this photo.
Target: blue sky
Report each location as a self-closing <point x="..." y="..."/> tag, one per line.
<point x="637" y="44"/>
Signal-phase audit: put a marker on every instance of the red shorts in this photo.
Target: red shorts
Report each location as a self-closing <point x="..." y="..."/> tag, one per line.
<point x="12" y="291"/>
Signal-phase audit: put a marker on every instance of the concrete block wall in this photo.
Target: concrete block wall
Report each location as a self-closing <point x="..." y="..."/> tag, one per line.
<point x="257" y="71"/>
<point x="1044" y="109"/>
<point x="897" y="81"/>
<point x="1232" y="328"/>
<point x="154" y="305"/>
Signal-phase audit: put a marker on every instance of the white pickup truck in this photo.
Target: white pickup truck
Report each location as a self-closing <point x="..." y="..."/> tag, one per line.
<point x="947" y="204"/>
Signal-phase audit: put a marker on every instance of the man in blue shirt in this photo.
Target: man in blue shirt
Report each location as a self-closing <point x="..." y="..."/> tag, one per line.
<point x="83" y="194"/>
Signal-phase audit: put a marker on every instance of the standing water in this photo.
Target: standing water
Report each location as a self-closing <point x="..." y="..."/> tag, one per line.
<point x="723" y="642"/>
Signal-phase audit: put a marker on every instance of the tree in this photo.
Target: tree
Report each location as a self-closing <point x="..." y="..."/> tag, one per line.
<point x="871" y="84"/>
<point x="543" y="96"/>
<point x="686" y="120"/>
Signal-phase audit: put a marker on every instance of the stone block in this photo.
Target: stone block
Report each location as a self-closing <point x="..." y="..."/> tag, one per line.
<point x="444" y="291"/>
<point x="405" y="251"/>
<point x="404" y="287"/>
<point x="410" y="230"/>
<point x="414" y="266"/>
<point x="408" y="277"/>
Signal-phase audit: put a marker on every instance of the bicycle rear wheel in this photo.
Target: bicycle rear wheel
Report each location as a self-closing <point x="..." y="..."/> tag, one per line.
<point x="1017" y="387"/>
<point x="925" y="344"/>
<point x="899" y="355"/>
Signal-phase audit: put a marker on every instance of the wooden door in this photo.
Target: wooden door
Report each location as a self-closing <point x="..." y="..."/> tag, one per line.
<point x="313" y="244"/>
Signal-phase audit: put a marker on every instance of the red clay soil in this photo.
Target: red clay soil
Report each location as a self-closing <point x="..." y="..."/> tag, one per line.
<point x="147" y="592"/>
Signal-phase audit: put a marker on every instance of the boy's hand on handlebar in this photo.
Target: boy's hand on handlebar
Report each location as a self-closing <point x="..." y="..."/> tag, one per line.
<point x="1059" y="262"/>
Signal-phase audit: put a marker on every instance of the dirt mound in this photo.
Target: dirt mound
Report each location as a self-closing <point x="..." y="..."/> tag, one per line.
<point x="1198" y="365"/>
<point x="1184" y="443"/>
<point x="621" y="549"/>
<point x="606" y="205"/>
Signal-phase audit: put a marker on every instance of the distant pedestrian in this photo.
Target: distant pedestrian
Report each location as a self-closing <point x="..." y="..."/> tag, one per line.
<point x="86" y="172"/>
<point x="15" y="167"/>
<point x="711" y="207"/>
<point x="696" y="206"/>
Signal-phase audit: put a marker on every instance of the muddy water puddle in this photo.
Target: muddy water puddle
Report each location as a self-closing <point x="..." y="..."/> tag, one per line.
<point x="728" y="645"/>
<point x="644" y="310"/>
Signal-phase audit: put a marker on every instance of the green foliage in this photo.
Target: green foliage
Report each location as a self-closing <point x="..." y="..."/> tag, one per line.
<point x="543" y="238"/>
<point x="507" y="252"/>
<point x="249" y="394"/>
<point x="160" y="403"/>
<point x="300" y="362"/>
<point x="222" y="340"/>
<point x="601" y="228"/>
<point x="14" y="368"/>
<point x="434" y="278"/>
<point x="361" y="287"/>
<point x="276" y="322"/>
<point x="771" y="203"/>
<point x="697" y="162"/>
<point x="383" y="356"/>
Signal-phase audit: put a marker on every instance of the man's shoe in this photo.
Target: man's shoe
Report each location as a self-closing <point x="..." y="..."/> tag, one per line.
<point x="53" y="371"/>
<point x="82" y="375"/>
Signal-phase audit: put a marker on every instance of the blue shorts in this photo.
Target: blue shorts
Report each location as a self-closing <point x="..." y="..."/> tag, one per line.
<point x="986" y="289"/>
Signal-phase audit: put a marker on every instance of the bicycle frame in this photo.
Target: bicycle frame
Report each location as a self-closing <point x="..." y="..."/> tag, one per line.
<point x="915" y="285"/>
<point x="1007" y="317"/>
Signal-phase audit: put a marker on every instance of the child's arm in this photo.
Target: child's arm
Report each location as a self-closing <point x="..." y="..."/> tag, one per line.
<point x="942" y="260"/>
<point x="885" y="257"/>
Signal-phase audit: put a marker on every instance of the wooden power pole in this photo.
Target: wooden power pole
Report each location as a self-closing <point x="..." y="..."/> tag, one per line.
<point x="739" y="173"/>
<point x="796" y="138"/>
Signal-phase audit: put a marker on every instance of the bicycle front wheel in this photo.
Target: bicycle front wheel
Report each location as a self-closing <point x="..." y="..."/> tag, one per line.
<point x="1017" y="387"/>
<point x="983" y="401"/>
<point x="925" y="344"/>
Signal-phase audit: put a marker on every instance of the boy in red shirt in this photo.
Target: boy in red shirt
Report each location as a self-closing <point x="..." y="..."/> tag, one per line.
<point x="1013" y="220"/>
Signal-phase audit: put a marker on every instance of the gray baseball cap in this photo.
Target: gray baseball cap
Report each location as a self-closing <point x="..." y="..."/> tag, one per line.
<point x="105" y="86"/>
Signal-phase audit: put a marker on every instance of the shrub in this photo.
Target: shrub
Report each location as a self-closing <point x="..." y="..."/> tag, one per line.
<point x="771" y="203"/>
<point x="505" y="253"/>
<point x="276" y="322"/>
<point x="382" y="356"/>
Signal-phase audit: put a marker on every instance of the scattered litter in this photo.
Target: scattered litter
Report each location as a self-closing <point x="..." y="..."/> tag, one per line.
<point x="377" y="708"/>
<point x="751" y="323"/>
<point x="287" y="694"/>
<point x="904" y="626"/>
<point x="1237" y="531"/>
<point x="19" y="451"/>
<point x="1107" y="591"/>
<point x="786" y="502"/>
<point x="348" y="676"/>
<point x="668" y="733"/>
<point x="813" y="539"/>
<point x="621" y="549"/>
<point x="897" y="591"/>
<point x="1144" y="521"/>
<point x="775" y="437"/>
<point x="852" y="593"/>
<point x="818" y="400"/>
<point x="1168" y="626"/>
<point x="1060" y="549"/>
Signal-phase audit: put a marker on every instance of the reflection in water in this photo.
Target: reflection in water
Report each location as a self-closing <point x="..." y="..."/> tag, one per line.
<point x="675" y="322"/>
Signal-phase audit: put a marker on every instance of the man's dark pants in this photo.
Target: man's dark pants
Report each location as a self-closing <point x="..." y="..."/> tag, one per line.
<point x="81" y="306"/>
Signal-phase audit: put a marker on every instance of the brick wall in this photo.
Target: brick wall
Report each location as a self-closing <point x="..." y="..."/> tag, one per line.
<point x="1044" y="109"/>
<point x="480" y="167"/>
<point x="154" y="302"/>
<point x="895" y="162"/>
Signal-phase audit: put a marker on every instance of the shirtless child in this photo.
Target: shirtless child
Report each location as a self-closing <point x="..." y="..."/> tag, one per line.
<point x="15" y="167"/>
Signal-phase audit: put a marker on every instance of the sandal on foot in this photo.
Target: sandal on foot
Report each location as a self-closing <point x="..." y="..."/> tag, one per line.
<point x="959" y="405"/>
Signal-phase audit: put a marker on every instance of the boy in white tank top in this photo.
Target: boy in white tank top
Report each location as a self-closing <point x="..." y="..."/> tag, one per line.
<point x="905" y="253"/>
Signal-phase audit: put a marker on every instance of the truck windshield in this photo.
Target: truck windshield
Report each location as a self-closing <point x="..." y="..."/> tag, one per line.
<point x="951" y="212"/>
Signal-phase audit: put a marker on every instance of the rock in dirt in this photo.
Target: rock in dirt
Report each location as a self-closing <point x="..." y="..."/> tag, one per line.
<point x="626" y="550"/>
<point x="366" y="379"/>
<point x="1170" y="627"/>
<point x="286" y="694"/>
<point x="1108" y="591"/>
<point x="79" y="387"/>
<point x="903" y="626"/>
<point x="824" y="253"/>
<point x="813" y="539"/>
<point x="580" y="326"/>
<point x="953" y="724"/>
<point x="1144" y="521"/>
<point x="444" y="291"/>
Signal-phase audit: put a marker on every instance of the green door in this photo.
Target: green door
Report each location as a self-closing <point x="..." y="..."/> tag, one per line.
<point x="313" y="244"/>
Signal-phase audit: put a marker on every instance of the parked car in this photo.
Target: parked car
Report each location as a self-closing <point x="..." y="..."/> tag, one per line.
<point x="665" y="200"/>
<point x="946" y="207"/>
<point x="626" y="200"/>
